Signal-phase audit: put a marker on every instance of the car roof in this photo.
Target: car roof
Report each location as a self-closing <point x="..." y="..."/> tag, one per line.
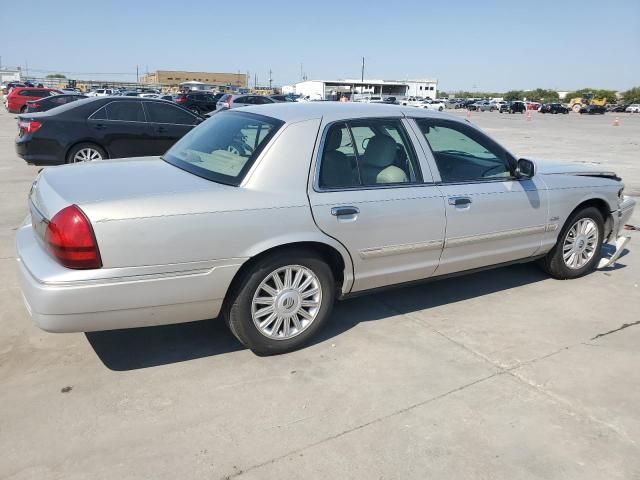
<point x="291" y="112"/>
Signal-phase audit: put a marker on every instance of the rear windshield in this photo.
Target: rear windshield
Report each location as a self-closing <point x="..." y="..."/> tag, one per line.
<point x="224" y="147"/>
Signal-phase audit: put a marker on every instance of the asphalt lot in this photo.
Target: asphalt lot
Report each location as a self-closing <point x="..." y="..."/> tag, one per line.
<point x="504" y="374"/>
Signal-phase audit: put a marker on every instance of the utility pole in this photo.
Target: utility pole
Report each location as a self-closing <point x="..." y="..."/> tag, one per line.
<point x="255" y="80"/>
<point x="362" y="72"/>
<point x="270" y="79"/>
<point x="137" y="75"/>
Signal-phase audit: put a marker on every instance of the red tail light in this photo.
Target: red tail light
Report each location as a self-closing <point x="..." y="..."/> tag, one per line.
<point x="71" y="241"/>
<point x="181" y="99"/>
<point x="30" y="126"/>
<point x="34" y="105"/>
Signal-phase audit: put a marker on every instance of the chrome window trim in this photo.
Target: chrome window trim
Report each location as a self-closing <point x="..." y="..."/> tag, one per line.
<point x="318" y="163"/>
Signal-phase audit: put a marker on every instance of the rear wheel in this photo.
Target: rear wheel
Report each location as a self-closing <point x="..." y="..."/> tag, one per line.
<point x="23" y="109"/>
<point x="195" y="110"/>
<point x="281" y="303"/>
<point x="86" y="152"/>
<point x="578" y="249"/>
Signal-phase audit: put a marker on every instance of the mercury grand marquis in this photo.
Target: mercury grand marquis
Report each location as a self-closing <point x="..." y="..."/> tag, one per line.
<point x="265" y="215"/>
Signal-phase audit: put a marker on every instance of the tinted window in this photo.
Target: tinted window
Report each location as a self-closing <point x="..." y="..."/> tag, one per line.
<point x="100" y="114"/>
<point x="162" y="113"/>
<point x="368" y="152"/>
<point x="339" y="165"/>
<point x="243" y="100"/>
<point x="224" y="147"/>
<point x="464" y="154"/>
<point x="125" y="111"/>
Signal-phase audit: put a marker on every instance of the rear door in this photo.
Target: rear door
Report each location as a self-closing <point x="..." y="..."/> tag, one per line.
<point x="121" y="127"/>
<point x="373" y="193"/>
<point x="492" y="217"/>
<point x="167" y="123"/>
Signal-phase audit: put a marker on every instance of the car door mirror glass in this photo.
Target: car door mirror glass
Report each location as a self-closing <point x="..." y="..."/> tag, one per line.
<point x="525" y="168"/>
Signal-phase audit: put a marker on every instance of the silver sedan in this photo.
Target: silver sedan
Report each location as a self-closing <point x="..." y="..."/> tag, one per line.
<point x="265" y="215"/>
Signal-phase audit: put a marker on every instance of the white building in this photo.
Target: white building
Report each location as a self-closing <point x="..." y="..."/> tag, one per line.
<point x="10" y="76"/>
<point x="334" y="89"/>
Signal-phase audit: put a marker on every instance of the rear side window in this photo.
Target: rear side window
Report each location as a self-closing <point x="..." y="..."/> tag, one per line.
<point x="125" y="111"/>
<point x="370" y="152"/>
<point x="162" y="113"/>
<point x="224" y="147"/>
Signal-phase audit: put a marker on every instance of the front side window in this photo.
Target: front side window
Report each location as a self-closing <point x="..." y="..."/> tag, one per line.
<point x="224" y="147"/>
<point x="372" y="152"/>
<point x="463" y="154"/>
<point x="162" y="113"/>
<point x="125" y="111"/>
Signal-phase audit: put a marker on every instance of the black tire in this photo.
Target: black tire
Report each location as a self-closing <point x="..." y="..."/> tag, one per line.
<point x="23" y="109"/>
<point x="237" y="308"/>
<point x="554" y="264"/>
<point x="76" y="148"/>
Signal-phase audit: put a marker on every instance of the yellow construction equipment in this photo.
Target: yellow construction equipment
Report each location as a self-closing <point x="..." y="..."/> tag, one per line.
<point x="587" y="99"/>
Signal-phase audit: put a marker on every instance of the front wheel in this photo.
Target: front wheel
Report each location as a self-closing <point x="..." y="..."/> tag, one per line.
<point x="578" y="249"/>
<point x="281" y="302"/>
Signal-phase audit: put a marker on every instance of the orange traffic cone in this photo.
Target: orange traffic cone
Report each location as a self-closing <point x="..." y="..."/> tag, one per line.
<point x="616" y="122"/>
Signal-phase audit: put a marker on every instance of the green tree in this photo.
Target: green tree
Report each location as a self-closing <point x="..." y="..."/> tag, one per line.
<point x="512" y="95"/>
<point x="56" y="75"/>
<point x="632" y="95"/>
<point x="542" y="95"/>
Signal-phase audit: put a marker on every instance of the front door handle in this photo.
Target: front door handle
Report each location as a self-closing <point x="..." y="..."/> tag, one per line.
<point x="161" y="130"/>
<point x="459" y="201"/>
<point x="340" y="211"/>
<point x="99" y="126"/>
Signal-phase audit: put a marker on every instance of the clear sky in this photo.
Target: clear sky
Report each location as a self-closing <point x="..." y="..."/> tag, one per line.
<point x="481" y="44"/>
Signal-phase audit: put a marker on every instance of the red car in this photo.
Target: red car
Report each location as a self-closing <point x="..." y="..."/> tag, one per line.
<point x="19" y="96"/>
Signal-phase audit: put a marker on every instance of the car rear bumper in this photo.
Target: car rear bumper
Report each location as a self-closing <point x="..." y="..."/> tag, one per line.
<point x="104" y="301"/>
<point x="38" y="153"/>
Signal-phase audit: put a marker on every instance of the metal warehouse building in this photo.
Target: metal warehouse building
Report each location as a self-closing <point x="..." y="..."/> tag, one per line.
<point x="334" y="89"/>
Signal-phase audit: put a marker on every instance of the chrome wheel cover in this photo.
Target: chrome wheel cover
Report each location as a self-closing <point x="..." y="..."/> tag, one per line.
<point x="86" y="154"/>
<point x="580" y="243"/>
<point x="287" y="302"/>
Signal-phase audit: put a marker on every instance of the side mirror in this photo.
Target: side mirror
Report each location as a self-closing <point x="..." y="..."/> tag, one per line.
<point x="525" y="168"/>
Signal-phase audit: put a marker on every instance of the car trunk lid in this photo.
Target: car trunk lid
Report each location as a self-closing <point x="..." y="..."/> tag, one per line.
<point x="111" y="181"/>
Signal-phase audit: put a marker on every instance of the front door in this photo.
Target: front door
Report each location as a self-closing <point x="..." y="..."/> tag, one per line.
<point x="492" y="217"/>
<point x="372" y="194"/>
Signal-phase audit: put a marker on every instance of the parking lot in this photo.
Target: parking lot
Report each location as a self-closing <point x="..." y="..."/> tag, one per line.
<point x="500" y="374"/>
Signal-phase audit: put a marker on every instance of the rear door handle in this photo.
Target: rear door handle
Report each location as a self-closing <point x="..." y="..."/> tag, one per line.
<point x="459" y="201"/>
<point x="340" y="211"/>
<point x="161" y="130"/>
<point x="99" y="126"/>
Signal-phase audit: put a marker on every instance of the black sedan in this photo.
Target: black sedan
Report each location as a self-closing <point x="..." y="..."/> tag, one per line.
<point x="515" y="106"/>
<point x="102" y="127"/>
<point x="593" y="109"/>
<point x="553" y="108"/>
<point x="47" y="103"/>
